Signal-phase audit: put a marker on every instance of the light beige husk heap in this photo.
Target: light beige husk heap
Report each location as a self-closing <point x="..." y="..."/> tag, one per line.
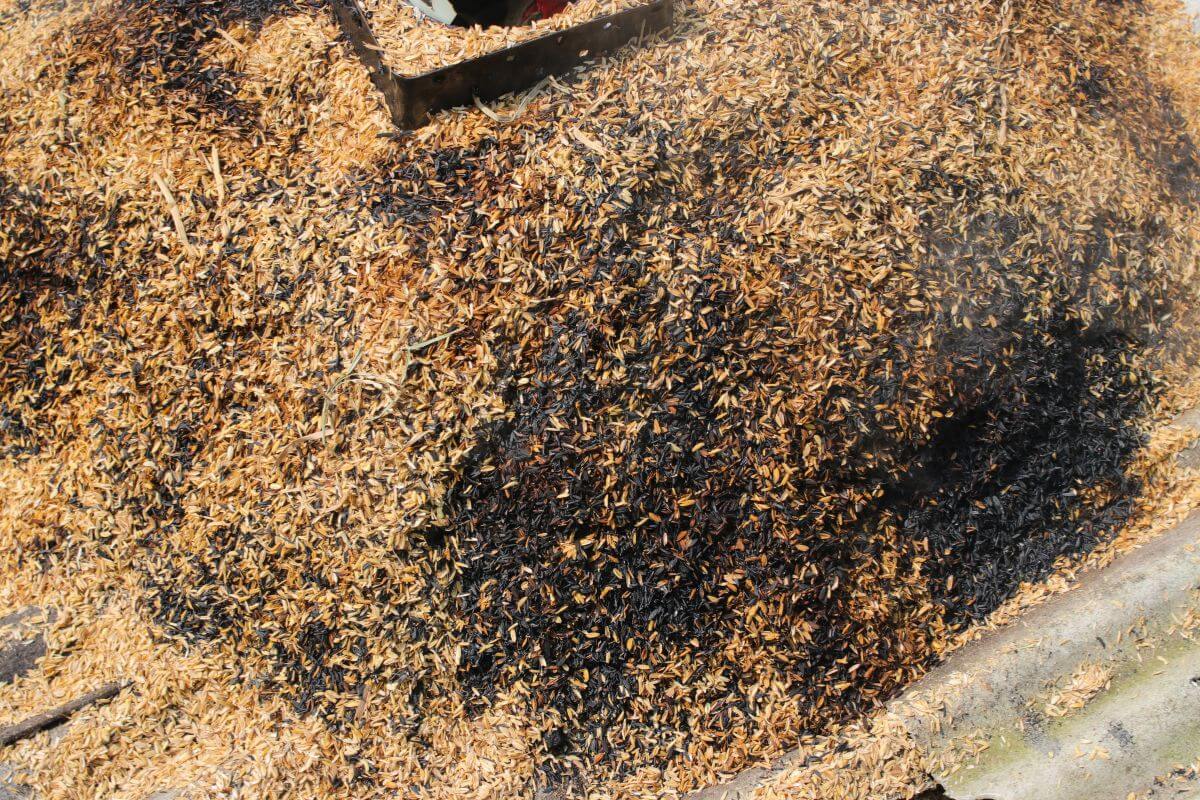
<point x="253" y="341"/>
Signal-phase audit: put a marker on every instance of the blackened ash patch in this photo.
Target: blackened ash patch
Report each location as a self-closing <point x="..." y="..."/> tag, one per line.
<point x="161" y="43"/>
<point x="58" y="267"/>
<point x="1092" y="83"/>
<point x="1159" y="134"/>
<point x="996" y="493"/>
<point x="1177" y="155"/>
<point x="397" y="194"/>
<point x="549" y="469"/>
<point x="996" y="490"/>
<point x="49" y="252"/>
<point x="621" y="517"/>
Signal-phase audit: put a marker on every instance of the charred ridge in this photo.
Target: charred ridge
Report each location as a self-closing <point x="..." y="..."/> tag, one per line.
<point x="60" y="267"/>
<point x="573" y="594"/>
<point x="995" y="495"/>
<point x="161" y="43"/>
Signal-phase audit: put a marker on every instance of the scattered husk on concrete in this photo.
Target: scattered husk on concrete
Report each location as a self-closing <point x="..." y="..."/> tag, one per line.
<point x="604" y="444"/>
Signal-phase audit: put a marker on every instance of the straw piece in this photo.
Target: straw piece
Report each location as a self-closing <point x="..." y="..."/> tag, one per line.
<point x="48" y="719"/>
<point x="173" y="207"/>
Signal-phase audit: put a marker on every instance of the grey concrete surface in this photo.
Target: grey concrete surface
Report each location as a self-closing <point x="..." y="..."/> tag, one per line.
<point x="1137" y="620"/>
<point x="21" y="641"/>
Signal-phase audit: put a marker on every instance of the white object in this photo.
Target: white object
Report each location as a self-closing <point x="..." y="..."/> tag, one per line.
<point x="437" y="10"/>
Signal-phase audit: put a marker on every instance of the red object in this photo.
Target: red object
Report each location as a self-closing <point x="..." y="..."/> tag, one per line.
<point x="542" y="9"/>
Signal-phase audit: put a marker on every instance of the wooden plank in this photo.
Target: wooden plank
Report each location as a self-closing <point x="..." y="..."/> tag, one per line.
<point x="48" y="719"/>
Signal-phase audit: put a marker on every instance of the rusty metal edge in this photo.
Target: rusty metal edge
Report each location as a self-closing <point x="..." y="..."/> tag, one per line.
<point x="412" y="99"/>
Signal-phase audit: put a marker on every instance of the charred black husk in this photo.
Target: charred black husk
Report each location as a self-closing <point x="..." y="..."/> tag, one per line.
<point x="606" y="530"/>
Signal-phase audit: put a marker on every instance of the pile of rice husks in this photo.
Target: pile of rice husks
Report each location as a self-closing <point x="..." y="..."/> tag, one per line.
<point x="594" y="443"/>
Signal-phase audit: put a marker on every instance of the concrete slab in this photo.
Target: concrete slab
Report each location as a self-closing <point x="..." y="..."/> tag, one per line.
<point x="21" y="641"/>
<point x="1016" y="702"/>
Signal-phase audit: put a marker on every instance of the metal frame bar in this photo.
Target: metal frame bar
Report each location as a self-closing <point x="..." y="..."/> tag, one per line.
<point x="411" y="99"/>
